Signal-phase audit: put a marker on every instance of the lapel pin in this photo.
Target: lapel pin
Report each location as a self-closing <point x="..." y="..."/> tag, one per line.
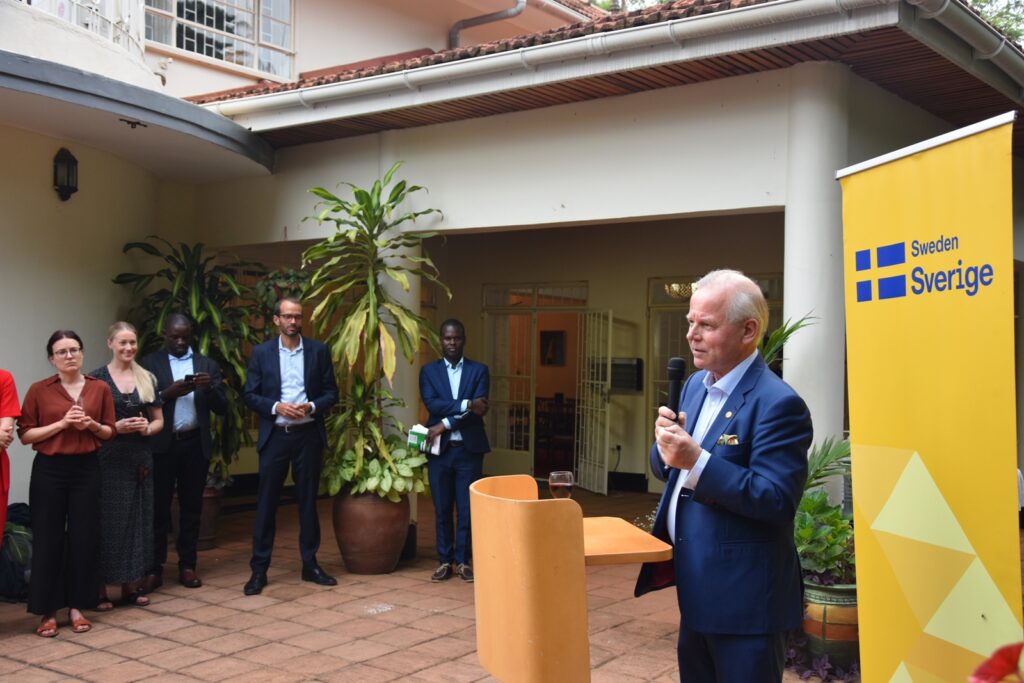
<point x="728" y="414"/>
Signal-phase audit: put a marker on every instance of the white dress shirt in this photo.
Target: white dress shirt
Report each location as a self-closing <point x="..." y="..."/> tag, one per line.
<point x="293" y="383"/>
<point x="185" y="418"/>
<point x="454" y="378"/>
<point x="718" y="394"/>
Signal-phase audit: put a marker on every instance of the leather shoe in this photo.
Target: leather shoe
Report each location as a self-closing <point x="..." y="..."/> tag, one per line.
<point x="255" y="584"/>
<point x="151" y="582"/>
<point x="465" y="572"/>
<point x="318" y="576"/>
<point x="189" y="579"/>
<point x="442" y="573"/>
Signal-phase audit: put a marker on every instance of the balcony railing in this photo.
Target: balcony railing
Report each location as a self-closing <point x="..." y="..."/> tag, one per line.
<point x="118" y="21"/>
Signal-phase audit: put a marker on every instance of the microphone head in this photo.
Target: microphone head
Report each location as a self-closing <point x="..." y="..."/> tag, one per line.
<point x="676" y="368"/>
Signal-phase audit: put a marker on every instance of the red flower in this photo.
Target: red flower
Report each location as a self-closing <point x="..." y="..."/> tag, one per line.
<point x="1000" y="665"/>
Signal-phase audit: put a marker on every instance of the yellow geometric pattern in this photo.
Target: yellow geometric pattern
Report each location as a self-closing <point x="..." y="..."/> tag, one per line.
<point x="917" y="510"/>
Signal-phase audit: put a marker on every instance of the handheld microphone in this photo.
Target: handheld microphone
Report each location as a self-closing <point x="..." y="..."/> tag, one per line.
<point x="676" y="375"/>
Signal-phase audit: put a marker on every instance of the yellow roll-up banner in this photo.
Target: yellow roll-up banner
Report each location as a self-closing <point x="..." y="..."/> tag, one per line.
<point x="928" y="258"/>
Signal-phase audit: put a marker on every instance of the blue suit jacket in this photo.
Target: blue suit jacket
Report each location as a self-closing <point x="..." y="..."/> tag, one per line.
<point x="735" y="564"/>
<point x="263" y="384"/>
<point x="436" y="392"/>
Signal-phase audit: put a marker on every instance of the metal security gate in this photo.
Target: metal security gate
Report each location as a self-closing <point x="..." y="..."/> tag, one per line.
<point x="593" y="394"/>
<point x="509" y="342"/>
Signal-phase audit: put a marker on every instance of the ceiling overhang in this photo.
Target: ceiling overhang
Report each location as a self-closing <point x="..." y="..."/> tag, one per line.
<point x="170" y="137"/>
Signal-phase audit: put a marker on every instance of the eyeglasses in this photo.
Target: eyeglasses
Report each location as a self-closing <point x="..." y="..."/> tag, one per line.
<point x="67" y="353"/>
<point x="288" y="317"/>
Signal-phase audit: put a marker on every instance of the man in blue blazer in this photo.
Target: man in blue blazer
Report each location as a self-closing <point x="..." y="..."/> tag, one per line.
<point x="454" y="389"/>
<point x="735" y="461"/>
<point x="290" y="385"/>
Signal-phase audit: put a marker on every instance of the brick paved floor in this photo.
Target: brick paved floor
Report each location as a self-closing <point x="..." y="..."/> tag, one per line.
<point x="366" y="629"/>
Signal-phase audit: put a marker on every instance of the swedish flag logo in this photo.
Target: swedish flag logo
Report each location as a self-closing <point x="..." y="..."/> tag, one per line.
<point x="890" y="286"/>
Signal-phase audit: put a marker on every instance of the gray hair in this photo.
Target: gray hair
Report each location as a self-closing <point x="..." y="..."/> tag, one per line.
<point x="746" y="300"/>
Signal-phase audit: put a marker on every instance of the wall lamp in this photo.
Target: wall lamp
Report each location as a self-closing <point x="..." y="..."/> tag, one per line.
<point x="65" y="174"/>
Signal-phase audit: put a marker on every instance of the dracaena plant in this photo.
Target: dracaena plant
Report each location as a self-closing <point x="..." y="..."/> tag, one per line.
<point x="364" y="324"/>
<point x="204" y="287"/>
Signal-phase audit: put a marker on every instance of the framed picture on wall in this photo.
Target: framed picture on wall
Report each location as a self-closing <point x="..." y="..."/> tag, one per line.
<point x="552" y="347"/>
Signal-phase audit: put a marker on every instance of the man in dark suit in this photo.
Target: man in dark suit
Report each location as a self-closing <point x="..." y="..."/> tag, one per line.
<point x="290" y="385"/>
<point x="454" y="389"/>
<point x="190" y="387"/>
<point x="735" y="460"/>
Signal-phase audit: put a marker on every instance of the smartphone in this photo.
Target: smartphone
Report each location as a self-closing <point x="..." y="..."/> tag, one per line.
<point x="190" y="378"/>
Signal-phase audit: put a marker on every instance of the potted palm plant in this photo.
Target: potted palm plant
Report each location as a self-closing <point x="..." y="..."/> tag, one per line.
<point x="824" y="544"/>
<point x="204" y="287"/>
<point x="367" y="466"/>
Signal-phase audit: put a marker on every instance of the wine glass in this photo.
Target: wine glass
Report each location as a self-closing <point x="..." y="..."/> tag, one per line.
<point x="560" y="483"/>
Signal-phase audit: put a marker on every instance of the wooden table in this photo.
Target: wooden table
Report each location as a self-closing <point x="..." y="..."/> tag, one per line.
<point x="613" y="540"/>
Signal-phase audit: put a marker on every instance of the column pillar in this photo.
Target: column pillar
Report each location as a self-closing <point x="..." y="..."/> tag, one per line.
<point x="817" y="148"/>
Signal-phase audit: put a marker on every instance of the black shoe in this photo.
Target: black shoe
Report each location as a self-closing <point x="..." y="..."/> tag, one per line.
<point x="318" y="576"/>
<point x="442" y="573"/>
<point x="188" y="578"/>
<point x="465" y="572"/>
<point x="255" y="584"/>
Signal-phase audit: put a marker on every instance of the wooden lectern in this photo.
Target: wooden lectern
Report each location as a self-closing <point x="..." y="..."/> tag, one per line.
<point x="531" y="584"/>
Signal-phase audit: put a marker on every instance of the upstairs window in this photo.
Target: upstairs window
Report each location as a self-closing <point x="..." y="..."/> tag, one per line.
<point x="256" y="34"/>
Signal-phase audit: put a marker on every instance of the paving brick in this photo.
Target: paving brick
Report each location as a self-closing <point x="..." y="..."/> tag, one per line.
<point x="177" y="658"/>
<point x="125" y="672"/>
<point x="220" y="668"/>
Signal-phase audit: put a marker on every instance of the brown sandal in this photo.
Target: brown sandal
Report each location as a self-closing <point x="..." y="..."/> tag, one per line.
<point x="80" y="625"/>
<point x="47" y="628"/>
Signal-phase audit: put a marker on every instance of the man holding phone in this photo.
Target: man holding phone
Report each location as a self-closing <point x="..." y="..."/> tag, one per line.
<point x="190" y="386"/>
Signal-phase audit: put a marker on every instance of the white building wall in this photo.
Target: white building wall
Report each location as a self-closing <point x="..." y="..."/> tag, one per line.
<point x="57" y="258"/>
<point x="27" y="30"/>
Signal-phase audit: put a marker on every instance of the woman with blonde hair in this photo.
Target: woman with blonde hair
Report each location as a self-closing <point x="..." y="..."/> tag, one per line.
<point x="126" y="503"/>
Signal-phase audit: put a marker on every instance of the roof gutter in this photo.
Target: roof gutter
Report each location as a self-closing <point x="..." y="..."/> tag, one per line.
<point x="744" y="28"/>
<point x="987" y="44"/>
<point x="558" y="8"/>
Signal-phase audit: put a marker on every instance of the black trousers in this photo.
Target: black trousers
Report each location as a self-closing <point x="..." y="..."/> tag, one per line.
<point x="301" y="450"/>
<point x="184" y="468"/>
<point x="64" y="503"/>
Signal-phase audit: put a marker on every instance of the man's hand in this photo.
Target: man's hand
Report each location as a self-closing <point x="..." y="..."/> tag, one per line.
<point x="479" y="406"/>
<point x="434" y="432"/>
<point x="201" y="381"/>
<point x="292" y="411"/>
<point x="678" y="449"/>
<point x="179" y="388"/>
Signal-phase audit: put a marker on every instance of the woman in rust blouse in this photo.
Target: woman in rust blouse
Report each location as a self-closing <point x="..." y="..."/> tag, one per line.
<point x="65" y="418"/>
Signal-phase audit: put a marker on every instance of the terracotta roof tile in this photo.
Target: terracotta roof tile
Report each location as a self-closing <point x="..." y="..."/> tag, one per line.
<point x="606" y="22"/>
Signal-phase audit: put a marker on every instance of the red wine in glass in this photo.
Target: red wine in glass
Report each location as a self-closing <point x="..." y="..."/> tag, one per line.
<point x="560" y="490"/>
<point x="560" y="484"/>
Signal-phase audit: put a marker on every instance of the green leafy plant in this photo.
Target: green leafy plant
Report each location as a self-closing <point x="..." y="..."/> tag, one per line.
<point x="824" y="541"/>
<point x="204" y="287"/>
<point x="364" y="325"/>
<point x="828" y="459"/>
<point x="773" y="342"/>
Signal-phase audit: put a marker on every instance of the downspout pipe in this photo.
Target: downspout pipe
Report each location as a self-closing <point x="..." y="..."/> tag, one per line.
<point x="458" y="26"/>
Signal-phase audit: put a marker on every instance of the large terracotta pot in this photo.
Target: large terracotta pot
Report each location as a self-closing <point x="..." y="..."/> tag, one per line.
<point x="830" y="622"/>
<point x="370" y="531"/>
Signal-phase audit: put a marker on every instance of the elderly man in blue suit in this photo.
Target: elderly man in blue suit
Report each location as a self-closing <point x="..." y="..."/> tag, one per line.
<point x="454" y="389"/>
<point x="290" y="385"/>
<point x="735" y="461"/>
